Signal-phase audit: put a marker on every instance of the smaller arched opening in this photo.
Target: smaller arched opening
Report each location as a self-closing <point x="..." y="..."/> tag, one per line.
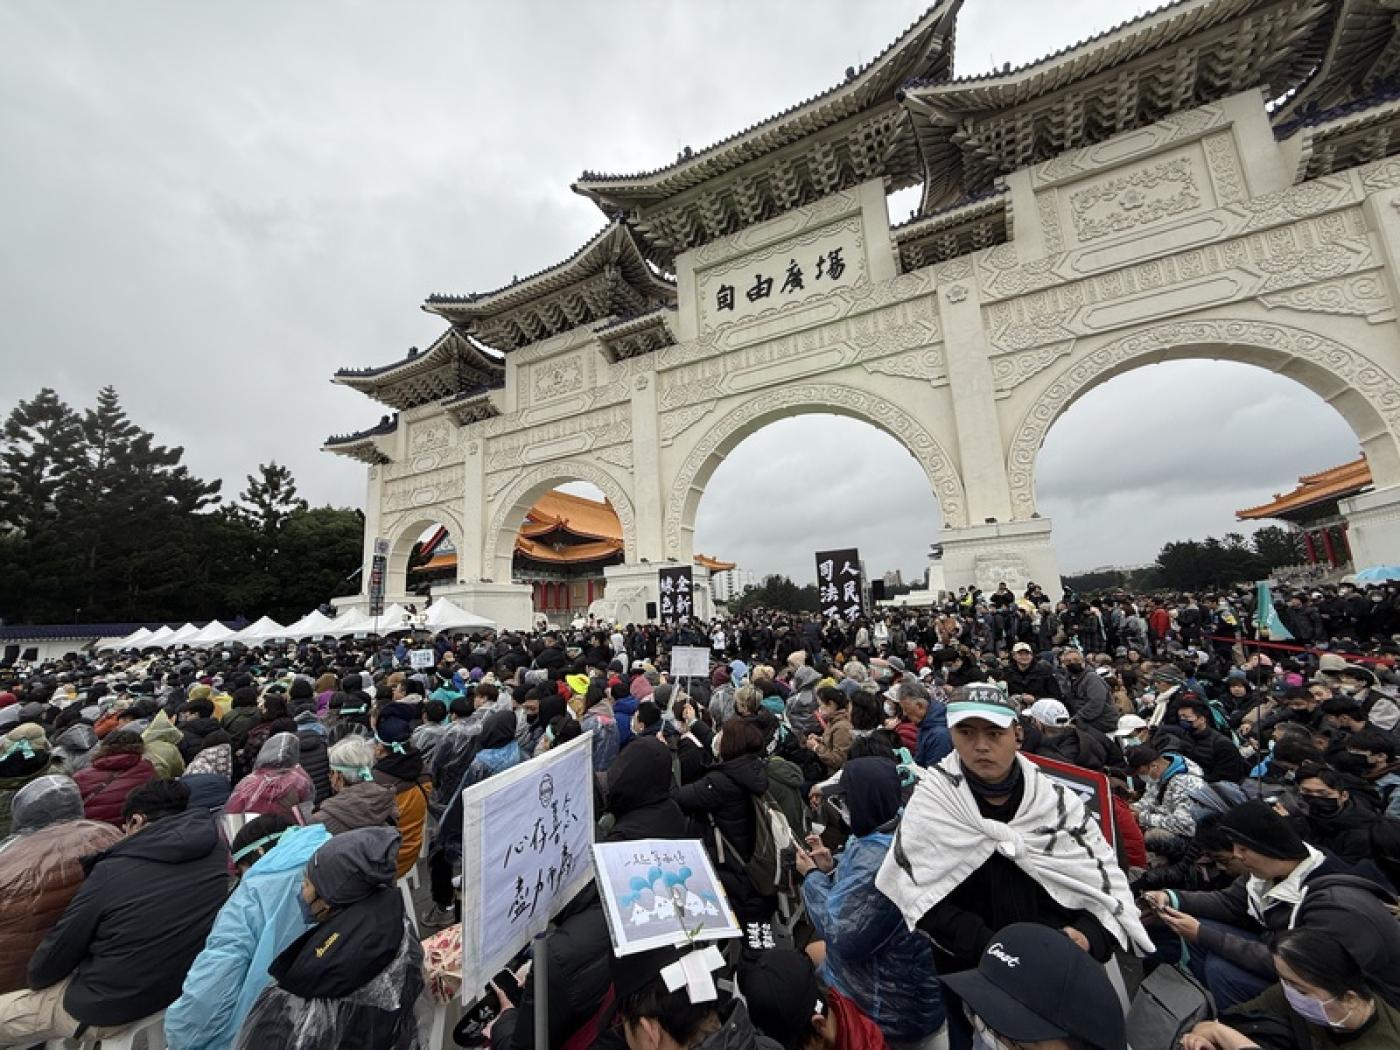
<point x="423" y="554"/>
<point x="555" y="529"/>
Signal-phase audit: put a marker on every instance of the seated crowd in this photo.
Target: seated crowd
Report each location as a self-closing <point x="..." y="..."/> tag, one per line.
<point x="218" y="841"/>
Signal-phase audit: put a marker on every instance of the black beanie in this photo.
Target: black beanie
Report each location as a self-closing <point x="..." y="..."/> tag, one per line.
<point x="1256" y="826"/>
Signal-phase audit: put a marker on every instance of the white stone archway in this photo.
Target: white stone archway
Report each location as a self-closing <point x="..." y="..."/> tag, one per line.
<point x="1364" y="394"/>
<point x="403" y="531"/>
<point x="1050" y="253"/>
<point x="733" y="424"/>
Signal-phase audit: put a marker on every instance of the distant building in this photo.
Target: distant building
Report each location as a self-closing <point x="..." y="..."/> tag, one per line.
<point x="894" y="578"/>
<point x="726" y="585"/>
<point x="1312" y="510"/>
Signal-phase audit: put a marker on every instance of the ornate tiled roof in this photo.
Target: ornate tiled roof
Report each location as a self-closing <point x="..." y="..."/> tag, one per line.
<point x="958" y="229"/>
<point x="607" y="277"/>
<point x="1346" y="135"/>
<point x="455" y="363"/>
<point x="1183" y="55"/>
<point x="640" y="334"/>
<point x="1322" y="487"/>
<point x="361" y="444"/>
<point x="849" y="133"/>
<point x="1363" y="51"/>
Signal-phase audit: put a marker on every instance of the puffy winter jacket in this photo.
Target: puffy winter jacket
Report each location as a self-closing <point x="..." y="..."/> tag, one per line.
<point x="872" y="957"/>
<point x="349" y="983"/>
<point x="129" y="935"/>
<point x="934" y="742"/>
<point x="403" y="775"/>
<point x="314" y="756"/>
<point x="725" y="797"/>
<point x="802" y="703"/>
<point x="106" y="783"/>
<point x="192" y="734"/>
<point x="1167" y="804"/>
<point x="362" y="804"/>
<point x="260" y="919"/>
<point x="600" y="719"/>
<point x="39" y="874"/>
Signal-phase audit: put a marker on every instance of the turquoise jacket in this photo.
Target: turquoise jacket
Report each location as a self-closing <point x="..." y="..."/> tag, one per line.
<point x="260" y="919"/>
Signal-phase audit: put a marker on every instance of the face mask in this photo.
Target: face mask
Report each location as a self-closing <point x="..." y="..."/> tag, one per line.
<point x="532" y="719"/>
<point x="889" y="709"/>
<point x="1308" y="1008"/>
<point x="1189" y="726"/>
<point x="983" y="1038"/>
<point x="1323" y="807"/>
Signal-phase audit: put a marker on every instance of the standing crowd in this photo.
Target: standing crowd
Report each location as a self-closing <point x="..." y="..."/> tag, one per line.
<point x="224" y="842"/>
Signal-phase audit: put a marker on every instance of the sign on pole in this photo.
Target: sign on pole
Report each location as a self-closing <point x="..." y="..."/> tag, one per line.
<point x="677" y="593"/>
<point x="661" y="892"/>
<point x="526" y="834"/>
<point x="422" y="659"/>
<point x="690" y="661"/>
<point x="839" y="583"/>
<point x="377" y="568"/>
<point x="1091" y="787"/>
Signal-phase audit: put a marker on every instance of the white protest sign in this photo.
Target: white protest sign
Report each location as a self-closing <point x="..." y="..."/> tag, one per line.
<point x="690" y="661"/>
<point x="525" y="838"/>
<point x="660" y="892"/>
<point x="422" y="659"/>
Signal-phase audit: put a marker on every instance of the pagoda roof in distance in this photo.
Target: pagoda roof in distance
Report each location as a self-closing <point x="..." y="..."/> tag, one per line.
<point x="452" y="366"/>
<point x="1183" y="55"/>
<point x="361" y="444"/>
<point x="608" y="277"/>
<point x="849" y="133"/>
<point x="1323" y="487"/>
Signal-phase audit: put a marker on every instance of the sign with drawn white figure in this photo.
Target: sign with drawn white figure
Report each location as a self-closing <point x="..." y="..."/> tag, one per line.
<point x="525" y="838"/>
<point x="659" y="892"/>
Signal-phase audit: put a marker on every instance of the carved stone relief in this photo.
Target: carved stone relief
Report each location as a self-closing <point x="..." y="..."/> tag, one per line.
<point x="1124" y="147"/>
<point x="1140" y="198"/>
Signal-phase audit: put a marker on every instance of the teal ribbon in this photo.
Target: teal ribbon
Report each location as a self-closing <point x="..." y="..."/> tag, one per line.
<point x="23" y="746"/>
<point x="358" y="771"/>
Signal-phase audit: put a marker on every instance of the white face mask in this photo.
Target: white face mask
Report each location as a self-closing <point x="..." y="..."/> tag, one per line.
<point x="983" y="1038"/>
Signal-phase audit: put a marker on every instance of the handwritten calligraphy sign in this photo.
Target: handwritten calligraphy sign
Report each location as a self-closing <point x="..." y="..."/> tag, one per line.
<point x="525" y="853"/>
<point x="677" y="587"/>
<point x="839" y="583"/>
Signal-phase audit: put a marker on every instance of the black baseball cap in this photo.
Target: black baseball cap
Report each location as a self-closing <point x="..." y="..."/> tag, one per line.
<point x="1033" y="983"/>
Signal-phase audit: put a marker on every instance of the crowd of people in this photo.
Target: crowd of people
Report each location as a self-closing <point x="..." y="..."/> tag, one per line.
<point x="219" y="838"/>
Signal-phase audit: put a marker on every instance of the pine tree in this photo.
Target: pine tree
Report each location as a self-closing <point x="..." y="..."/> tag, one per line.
<point x="42" y="441"/>
<point x="270" y="499"/>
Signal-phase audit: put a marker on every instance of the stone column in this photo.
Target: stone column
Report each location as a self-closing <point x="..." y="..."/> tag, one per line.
<point x="473" y="512"/>
<point x="648" y="503"/>
<point x="1373" y="527"/>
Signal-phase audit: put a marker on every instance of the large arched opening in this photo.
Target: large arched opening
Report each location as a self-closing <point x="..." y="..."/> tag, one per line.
<point x="1156" y="441"/>
<point x="422" y="552"/>
<point x="796" y="486"/>
<point x="732" y="426"/>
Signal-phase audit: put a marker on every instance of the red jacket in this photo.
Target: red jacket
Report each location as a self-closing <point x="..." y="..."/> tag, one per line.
<point x="1159" y="622"/>
<point x="1130" y="841"/>
<point x="106" y="783"/>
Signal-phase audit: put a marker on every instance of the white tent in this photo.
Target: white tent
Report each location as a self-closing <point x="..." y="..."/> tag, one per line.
<point x="134" y="640"/>
<point x="158" y="640"/>
<point x="351" y="621"/>
<point x="443" y="615"/>
<point x="312" y="625"/>
<point x="392" y="620"/>
<point x="265" y="629"/>
<point x="212" y="633"/>
<point x="182" y="636"/>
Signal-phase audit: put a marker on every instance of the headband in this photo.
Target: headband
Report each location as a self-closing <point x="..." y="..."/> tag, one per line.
<point x="395" y="746"/>
<point x="24" y="747"/>
<point x="363" y="772"/>
<point x="256" y="844"/>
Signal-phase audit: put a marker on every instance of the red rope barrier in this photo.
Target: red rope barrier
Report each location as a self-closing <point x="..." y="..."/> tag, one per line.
<point x="1388" y="661"/>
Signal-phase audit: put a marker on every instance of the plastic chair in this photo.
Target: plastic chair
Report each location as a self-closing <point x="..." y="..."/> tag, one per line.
<point x="129" y="1038"/>
<point x="406" y="891"/>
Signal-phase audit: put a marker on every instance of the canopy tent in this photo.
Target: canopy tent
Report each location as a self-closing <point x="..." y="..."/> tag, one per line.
<point x="443" y="615"/>
<point x="313" y="625"/>
<point x="134" y="640"/>
<point x="182" y="636"/>
<point x="212" y="633"/>
<point x="351" y="621"/>
<point x="262" y="630"/>
<point x="393" y="620"/>
<point x="159" y="639"/>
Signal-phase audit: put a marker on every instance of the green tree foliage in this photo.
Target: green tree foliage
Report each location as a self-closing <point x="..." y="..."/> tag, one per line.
<point x="1193" y="565"/>
<point x="777" y="592"/>
<point x="100" y="523"/>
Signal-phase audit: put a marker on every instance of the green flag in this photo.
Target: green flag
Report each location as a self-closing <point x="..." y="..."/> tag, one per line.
<point x="1266" y="618"/>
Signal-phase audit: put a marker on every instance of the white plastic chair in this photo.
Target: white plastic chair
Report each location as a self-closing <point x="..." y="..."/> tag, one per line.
<point x="406" y="891"/>
<point x="129" y="1038"/>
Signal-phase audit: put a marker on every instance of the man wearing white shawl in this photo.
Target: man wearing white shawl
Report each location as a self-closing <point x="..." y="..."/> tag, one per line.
<point x="987" y="840"/>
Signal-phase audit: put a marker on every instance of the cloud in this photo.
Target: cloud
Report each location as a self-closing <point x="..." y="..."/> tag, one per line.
<point x="212" y="207"/>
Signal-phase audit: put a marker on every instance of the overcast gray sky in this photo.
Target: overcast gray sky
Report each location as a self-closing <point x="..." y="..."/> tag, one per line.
<point x="213" y="206"/>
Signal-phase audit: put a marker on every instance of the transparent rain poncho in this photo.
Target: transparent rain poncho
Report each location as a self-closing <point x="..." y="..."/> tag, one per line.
<point x="377" y="1016"/>
<point x="277" y="783"/>
<point x="48" y="800"/>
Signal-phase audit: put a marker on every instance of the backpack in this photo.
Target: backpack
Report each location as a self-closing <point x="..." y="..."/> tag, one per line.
<point x="1168" y="1005"/>
<point x="772" y="836"/>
